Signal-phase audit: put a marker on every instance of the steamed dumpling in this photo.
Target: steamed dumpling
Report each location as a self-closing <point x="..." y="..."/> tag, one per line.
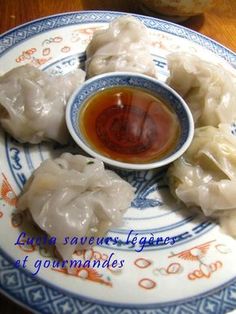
<point x="32" y="103"/>
<point x="205" y="175"/>
<point x="75" y="196"/>
<point x="124" y="46"/>
<point x="208" y="89"/>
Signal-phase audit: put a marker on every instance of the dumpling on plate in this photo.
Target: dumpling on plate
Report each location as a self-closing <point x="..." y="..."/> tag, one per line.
<point x="74" y="195"/>
<point x="32" y="103"/>
<point x="205" y="175"/>
<point x="124" y="46"/>
<point x="208" y="89"/>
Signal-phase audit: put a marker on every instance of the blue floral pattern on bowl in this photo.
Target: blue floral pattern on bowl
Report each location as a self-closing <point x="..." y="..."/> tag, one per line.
<point x="151" y="85"/>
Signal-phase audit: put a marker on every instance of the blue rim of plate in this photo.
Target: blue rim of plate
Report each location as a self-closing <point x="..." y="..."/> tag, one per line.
<point x="51" y="298"/>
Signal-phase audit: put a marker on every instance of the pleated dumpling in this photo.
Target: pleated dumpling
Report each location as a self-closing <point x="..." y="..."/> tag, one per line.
<point x="124" y="46"/>
<point x="205" y="175"/>
<point x="32" y="103"/>
<point x="75" y="196"/>
<point x="208" y="89"/>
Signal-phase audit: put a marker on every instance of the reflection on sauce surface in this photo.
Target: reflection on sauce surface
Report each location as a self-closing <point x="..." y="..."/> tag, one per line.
<point x="129" y="125"/>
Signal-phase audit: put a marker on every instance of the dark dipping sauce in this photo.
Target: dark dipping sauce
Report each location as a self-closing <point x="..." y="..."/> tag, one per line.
<point x="129" y="125"/>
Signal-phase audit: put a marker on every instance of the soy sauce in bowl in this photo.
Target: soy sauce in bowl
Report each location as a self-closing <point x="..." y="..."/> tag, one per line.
<point x="129" y="124"/>
<point x="129" y="121"/>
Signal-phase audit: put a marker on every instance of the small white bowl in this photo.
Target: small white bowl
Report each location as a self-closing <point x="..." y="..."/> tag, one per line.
<point x="150" y="85"/>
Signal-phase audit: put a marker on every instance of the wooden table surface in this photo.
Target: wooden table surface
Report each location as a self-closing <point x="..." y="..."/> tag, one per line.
<point x="218" y="23"/>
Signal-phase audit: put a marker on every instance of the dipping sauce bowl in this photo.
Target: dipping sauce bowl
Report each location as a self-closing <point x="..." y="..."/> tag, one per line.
<point x="129" y="120"/>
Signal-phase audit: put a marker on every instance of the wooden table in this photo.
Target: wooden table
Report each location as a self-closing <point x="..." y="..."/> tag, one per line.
<point x="218" y="23"/>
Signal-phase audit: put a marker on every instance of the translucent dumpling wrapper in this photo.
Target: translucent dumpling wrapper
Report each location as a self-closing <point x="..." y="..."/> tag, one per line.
<point x="32" y="103"/>
<point x="75" y="196"/>
<point x="124" y="46"/>
<point x="208" y="89"/>
<point x="205" y="175"/>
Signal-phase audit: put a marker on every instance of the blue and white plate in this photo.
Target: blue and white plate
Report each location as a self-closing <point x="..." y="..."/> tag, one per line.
<point x="196" y="274"/>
